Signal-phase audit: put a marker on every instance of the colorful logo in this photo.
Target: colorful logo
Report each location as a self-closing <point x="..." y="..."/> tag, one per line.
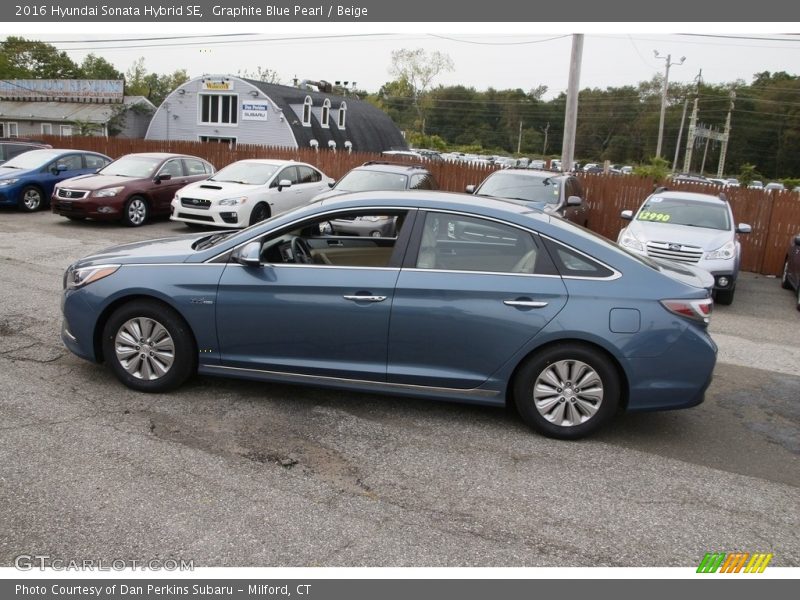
<point x="734" y="562"/>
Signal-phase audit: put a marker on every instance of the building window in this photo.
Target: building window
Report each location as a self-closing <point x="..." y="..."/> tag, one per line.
<point x="9" y="130"/>
<point x="342" y="115"/>
<point x="65" y="130"/>
<point x="219" y="109"/>
<point x="326" y="113"/>
<point x="307" y="111"/>
<point x="47" y="129"/>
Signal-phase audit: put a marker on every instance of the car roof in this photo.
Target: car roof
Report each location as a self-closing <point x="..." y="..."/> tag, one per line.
<point x="532" y="172"/>
<point x="161" y="155"/>
<point x="433" y="199"/>
<point x="693" y="196"/>
<point x="269" y="161"/>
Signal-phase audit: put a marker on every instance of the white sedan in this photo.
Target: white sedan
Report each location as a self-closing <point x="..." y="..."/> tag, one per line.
<point x="248" y="191"/>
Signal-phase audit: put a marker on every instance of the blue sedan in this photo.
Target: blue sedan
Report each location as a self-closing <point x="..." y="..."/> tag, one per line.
<point x="489" y="302"/>
<point x="27" y="180"/>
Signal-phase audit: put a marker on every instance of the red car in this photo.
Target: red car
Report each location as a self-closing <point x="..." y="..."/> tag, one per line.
<point x="131" y="189"/>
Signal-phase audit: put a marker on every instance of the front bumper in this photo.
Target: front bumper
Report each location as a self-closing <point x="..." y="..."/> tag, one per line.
<point x="215" y="216"/>
<point x="101" y="209"/>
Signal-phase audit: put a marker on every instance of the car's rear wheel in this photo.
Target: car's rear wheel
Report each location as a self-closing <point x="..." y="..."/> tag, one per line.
<point x="260" y="212"/>
<point x="567" y="391"/>
<point x="785" y="277"/>
<point x="725" y="297"/>
<point x="148" y="346"/>
<point x="798" y="297"/>
<point x="31" y="198"/>
<point x="136" y="212"/>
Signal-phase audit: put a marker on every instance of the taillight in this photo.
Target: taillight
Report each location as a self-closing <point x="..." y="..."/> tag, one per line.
<point x="697" y="310"/>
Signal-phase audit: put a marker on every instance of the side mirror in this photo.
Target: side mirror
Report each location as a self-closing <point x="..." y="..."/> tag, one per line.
<point x="470" y="189"/>
<point x="331" y="184"/>
<point x="627" y="215"/>
<point x="284" y="183"/>
<point x="743" y="228"/>
<point x="248" y="255"/>
<point x="164" y="177"/>
<point x="574" y="201"/>
<point x="797" y="240"/>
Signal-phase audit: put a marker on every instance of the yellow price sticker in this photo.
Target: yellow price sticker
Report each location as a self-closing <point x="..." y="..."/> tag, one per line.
<point x="647" y="215"/>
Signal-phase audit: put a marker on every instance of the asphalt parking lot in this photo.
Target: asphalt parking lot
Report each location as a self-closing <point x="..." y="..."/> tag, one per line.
<point x="232" y="473"/>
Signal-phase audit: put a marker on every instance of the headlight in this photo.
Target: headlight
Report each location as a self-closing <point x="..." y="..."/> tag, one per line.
<point x="77" y="278"/>
<point x="629" y="241"/>
<point x="232" y="201"/>
<point x="107" y="192"/>
<point x="8" y="181"/>
<point x="725" y="252"/>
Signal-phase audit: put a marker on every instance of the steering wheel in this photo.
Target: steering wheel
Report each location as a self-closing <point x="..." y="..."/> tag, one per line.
<point x="301" y="250"/>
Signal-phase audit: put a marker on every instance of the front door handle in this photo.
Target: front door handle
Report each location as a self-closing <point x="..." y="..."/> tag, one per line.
<point x="365" y="298"/>
<point x="525" y="303"/>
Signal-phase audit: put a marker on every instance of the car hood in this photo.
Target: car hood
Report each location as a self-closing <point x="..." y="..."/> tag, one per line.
<point x="93" y="182"/>
<point x="217" y="190"/>
<point x="165" y="250"/>
<point x="10" y="173"/>
<point x="707" y="239"/>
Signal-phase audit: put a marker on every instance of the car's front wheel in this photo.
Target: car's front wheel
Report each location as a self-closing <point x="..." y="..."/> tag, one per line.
<point x="567" y="391"/>
<point x="31" y="198"/>
<point x="148" y="346"/>
<point x="798" y="297"/>
<point x="136" y="212"/>
<point x="260" y="212"/>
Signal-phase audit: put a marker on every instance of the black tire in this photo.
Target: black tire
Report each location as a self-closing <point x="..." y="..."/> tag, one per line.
<point x="123" y="323"/>
<point x="259" y="213"/>
<point x="136" y="211"/>
<point x="590" y="367"/>
<point x="73" y="218"/>
<point x="31" y="198"/>
<point x="725" y="297"/>
<point x="785" y="276"/>
<point x="798" y="297"/>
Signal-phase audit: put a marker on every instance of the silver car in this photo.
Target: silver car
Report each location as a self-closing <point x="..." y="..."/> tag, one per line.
<point x="692" y="228"/>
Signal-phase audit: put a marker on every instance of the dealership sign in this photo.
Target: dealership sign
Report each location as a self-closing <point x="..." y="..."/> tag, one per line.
<point x="217" y="85"/>
<point x="254" y="111"/>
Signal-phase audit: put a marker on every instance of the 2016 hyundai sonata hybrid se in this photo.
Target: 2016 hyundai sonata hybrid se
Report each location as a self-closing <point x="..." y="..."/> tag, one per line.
<point x="490" y="302"/>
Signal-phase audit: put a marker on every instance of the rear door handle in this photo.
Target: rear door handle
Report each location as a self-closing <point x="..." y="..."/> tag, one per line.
<point x="365" y="298"/>
<point x="525" y="303"/>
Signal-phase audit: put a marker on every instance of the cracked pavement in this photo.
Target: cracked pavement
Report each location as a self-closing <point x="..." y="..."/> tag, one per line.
<point x="235" y="473"/>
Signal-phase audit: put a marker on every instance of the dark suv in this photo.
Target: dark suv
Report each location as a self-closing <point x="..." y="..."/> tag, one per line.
<point x="376" y="176"/>
<point x="556" y="194"/>
<point x="11" y="147"/>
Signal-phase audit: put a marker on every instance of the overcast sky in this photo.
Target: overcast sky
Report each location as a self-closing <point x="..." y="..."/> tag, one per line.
<point x="499" y="60"/>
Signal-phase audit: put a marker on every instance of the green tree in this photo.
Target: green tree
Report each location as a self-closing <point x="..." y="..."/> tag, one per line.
<point x="27" y="59"/>
<point x="418" y="69"/>
<point x="97" y="67"/>
<point x="154" y="87"/>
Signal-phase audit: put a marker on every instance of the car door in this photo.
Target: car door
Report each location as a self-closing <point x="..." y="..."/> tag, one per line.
<point x="64" y="167"/>
<point x="794" y="262"/>
<point x="471" y="293"/>
<point x="282" y="199"/>
<point x="310" y="182"/>
<point x="325" y="318"/>
<point x="163" y="190"/>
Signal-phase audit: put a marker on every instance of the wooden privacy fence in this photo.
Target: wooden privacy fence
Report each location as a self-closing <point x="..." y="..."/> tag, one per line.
<point x="774" y="216"/>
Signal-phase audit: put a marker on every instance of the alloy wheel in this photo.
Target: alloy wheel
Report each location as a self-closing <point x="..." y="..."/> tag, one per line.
<point x="568" y="393"/>
<point x="144" y="348"/>
<point x="137" y="211"/>
<point x="32" y="199"/>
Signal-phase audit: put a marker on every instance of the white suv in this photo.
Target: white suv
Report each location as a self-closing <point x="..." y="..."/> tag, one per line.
<point x="689" y="228"/>
<point x="248" y="191"/>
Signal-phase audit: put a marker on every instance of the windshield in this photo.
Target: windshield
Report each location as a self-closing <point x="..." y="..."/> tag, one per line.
<point x="367" y="181"/>
<point x="249" y="173"/>
<point x="33" y="159"/>
<point x="132" y="166"/>
<point x="679" y="211"/>
<point x="530" y="188"/>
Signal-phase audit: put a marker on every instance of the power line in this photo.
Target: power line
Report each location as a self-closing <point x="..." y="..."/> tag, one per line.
<point x="550" y="39"/>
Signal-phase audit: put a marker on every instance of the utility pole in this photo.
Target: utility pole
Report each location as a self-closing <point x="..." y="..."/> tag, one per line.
<point x="571" y="112"/>
<point x="668" y="62"/>
<point x="725" y="136"/>
<point x="544" y="146"/>
<point x="705" y="153"/>
<point x="680" y="134"/>
<point x="519" y="138"/>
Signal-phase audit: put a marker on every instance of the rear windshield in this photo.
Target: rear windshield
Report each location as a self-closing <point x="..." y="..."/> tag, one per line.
<point x="517" y="186"/>
<point x="368" y="181"/>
